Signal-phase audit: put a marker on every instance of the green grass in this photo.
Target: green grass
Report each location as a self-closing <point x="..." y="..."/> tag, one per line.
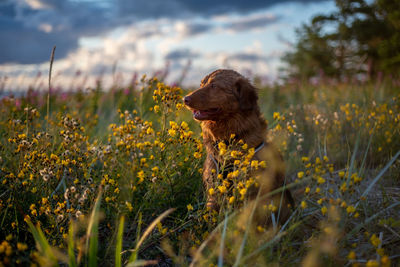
<point x="79" y="187"/>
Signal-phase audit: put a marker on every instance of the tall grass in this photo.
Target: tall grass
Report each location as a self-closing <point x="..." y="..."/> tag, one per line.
<point x="82" y="183"/>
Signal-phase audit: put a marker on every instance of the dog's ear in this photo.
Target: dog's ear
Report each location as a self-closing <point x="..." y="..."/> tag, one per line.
<point x="246" y="94"/>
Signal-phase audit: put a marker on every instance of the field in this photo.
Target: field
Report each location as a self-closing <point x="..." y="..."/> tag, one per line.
<point x="113" y="177"/>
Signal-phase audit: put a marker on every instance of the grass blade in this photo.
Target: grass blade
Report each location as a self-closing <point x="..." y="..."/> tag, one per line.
<point x="366" y="153"/>
<point x="48" y="93"/>
<point x="378" y="177"/>
<point x="118" y="247"/>
<point x="221" y="248"/>
<point x="353" y="157"/>
<point x="44" y="245"/>
<point x="239" y="256"/>
<point x="71" y="248"/>
<point x="93" y="233"/>
<point x="147" y="232"/>
<point x="264" y="246"/>
<point x="367" y="221"/>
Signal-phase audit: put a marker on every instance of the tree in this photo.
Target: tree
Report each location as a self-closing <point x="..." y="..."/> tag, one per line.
<point x="358" y="38"/>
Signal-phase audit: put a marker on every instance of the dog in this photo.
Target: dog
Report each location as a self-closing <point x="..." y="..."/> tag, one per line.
<point x="226" y="104"/>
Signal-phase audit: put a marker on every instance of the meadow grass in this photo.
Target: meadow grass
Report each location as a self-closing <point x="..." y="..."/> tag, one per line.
<point x="114" y="177"/>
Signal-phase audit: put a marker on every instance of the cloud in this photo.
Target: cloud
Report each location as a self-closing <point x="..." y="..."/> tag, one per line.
<point x="251" y="22"/>
<point x="211" y="7"/>
<point x="187" y="29"/>
<point x="22" y="45"/>
<point x="29" y="28"/>
<point x="247" y="57"/>
<point x="180" y="54"/>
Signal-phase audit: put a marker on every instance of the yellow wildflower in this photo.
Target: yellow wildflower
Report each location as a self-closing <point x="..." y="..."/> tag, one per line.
<point x="211" y="191"/>
<point x="324" y="209"/>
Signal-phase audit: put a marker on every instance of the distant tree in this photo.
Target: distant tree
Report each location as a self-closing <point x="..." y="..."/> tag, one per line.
<point x="358" y="38"/>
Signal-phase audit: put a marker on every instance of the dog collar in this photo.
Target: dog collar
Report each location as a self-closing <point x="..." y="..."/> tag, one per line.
<point x="256" y="149"/>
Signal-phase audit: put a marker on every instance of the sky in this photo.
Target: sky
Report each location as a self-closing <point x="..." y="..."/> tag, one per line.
<point x="117" y="40"/>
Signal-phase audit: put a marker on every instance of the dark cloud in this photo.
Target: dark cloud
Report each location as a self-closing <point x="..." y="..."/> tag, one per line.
<point x="22" y="45"/>
<point x="181" y="54"/>
<point x="30" y="28"/>
<point x="247" y="57"/>
<point x="149" y="9"/>
<point x="212" y="7"/>
<point x="251" y="23"/>
<point x="191" y="29"/>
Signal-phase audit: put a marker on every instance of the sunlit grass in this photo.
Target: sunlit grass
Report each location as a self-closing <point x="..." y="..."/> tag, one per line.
<point x="144" y="153"/>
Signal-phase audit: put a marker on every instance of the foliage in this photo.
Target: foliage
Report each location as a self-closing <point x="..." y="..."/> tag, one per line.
<point x="359" y="38"/>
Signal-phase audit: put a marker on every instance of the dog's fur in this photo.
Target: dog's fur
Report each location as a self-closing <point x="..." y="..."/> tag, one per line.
<point x="225" y="104"/>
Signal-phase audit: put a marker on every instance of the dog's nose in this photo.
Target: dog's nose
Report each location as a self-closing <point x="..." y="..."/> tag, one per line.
<point x="186" y="100"/>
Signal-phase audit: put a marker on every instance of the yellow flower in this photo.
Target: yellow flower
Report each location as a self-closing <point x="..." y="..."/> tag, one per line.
<point x="222" y="151"/>
<point x="243" y="191"/>
<point x="189" y="207"/>
<point x="129" y="206"/>
<point x="320" y="180"/>
<point x="372" y="263"/>
<point x="221" y="145"/>
<point x="235" y="154"/>
<point x="197" y="155"/>
<point x="350" y="209"/>
<point x="307" y="190"/>
<point x="140" y="175"/>
<point x="305" y="159"/>
<point x="149" y="130"/>
<point x="235" y="174"/>
<point x="300" y="175"/>
<point x="172" y="132"/>
<point x="272" y="207"/>
<point x="222" y="189"/>
<point x="351" y="255"/>
<point x="254" y="164"/>
<point x="211" y="191"/>
<point x="385" y="261"/>
<point x="303" y="204"/>
<point x="21" y="246"/>
<point x="231" y="199"/>
<point x="324" y="209"/>
<point x="375" y="240"/>
<point x="341" y="174"/>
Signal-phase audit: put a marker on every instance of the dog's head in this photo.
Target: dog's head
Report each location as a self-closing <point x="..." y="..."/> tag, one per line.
<point x="221" y="94"/>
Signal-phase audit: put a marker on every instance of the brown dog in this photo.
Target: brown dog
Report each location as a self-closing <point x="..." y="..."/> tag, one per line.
<point x="225" y="104"/>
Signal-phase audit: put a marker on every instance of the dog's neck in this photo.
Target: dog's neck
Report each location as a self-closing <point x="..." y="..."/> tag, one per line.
<point x="251" y="128"/>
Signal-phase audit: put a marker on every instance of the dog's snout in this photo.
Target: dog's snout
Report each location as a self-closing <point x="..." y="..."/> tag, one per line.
<point x="187" y="100"/>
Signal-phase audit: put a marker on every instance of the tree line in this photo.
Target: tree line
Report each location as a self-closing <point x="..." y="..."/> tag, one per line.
<point x="360" y="39"/>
